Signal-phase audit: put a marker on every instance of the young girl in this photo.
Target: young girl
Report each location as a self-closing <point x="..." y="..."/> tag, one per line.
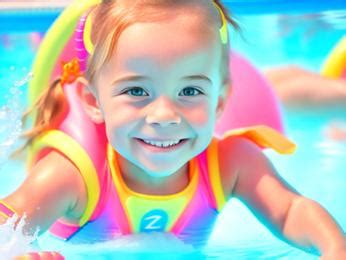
<point x="156" y="80"/>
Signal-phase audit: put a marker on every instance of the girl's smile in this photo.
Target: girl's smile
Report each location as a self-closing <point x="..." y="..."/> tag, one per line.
<point x="162" y="145"/>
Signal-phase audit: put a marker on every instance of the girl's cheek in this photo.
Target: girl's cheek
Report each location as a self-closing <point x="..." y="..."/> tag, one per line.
<point x="200" y="116"/>
<point x="121" y="113"/>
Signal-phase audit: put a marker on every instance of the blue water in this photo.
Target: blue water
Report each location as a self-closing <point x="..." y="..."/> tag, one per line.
<point x="317" y="170"/>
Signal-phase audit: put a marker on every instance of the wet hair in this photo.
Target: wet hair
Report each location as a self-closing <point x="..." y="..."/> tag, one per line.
<point x="109" y="20"/>
<point x="49" y="110"/>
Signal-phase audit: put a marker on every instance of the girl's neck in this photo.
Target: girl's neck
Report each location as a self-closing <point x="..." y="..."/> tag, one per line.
<point x="139" y="181"/>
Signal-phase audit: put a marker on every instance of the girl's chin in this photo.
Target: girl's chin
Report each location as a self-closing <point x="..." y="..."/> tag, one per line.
<point x="159" y="172"/>
<point x="159" y="169"/>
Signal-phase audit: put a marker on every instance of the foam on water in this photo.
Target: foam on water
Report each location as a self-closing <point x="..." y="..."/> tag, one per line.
<point x="13" y="240"/>
<point x="136" y="245"/>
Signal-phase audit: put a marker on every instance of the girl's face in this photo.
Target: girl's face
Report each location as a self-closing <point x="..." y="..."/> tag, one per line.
<point x="160" y="93"/>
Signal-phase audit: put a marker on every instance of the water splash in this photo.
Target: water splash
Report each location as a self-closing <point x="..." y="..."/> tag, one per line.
<point x="135" y="246"/>
<point x="10" y="118"/>
<point x="13" y="240"/>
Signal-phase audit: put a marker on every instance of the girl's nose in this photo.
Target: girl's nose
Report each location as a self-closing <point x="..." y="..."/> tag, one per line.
<point x="162" y="112"/>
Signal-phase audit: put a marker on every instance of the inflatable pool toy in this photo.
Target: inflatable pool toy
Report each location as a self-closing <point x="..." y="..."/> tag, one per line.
<point x="252" y="102"/>
<point x="56" y="47"/>
<point x="335" y="65"/>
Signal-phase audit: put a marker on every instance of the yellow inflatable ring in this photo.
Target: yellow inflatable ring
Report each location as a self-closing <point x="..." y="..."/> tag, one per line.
<point x="53" y="44"/>
<point x="335" y="65"/>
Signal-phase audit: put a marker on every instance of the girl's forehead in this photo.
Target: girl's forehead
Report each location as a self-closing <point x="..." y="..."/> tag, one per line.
<point x="165" y="29"/>
<point x="165" y="41"/>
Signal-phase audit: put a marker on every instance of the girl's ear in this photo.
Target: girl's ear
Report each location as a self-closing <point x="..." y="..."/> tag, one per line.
<point x="222" y="100"/>
<point x="90" y="103"/>
<point x="220" y="107"/>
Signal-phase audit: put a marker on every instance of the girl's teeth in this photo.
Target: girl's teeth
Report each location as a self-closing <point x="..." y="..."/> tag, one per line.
<point x="162" y="144"/>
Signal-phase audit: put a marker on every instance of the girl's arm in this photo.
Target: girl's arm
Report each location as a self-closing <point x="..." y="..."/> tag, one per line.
<point x="301" y="221"/>
<point x="53" y="188"/>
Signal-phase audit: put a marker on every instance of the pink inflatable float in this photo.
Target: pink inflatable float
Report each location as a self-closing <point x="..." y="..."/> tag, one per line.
<point x="252" y="100"/>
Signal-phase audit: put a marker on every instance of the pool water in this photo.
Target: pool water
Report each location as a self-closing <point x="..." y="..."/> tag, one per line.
<point x="316" y="170"/>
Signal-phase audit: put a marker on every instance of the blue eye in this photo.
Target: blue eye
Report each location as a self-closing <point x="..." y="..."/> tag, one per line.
<point x="190" y="91"/>
<point x="136" y="92"/>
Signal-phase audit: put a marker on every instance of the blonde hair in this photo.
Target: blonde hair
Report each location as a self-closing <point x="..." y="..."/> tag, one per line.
<point x="110" y="19"/>
<point x="50" y="108"/>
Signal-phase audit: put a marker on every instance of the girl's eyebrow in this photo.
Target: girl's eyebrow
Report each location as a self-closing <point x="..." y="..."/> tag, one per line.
<point x="140" y="77"/>
<point x="131" y="78"/>
<point x="197" y="77"/>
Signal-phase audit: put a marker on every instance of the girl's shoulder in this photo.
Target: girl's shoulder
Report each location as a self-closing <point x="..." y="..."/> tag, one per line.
<point x="242" y="162"/>
<point x="52" y="189"/>
<point x="236" y="154"/>
<point x="56" y="181"/>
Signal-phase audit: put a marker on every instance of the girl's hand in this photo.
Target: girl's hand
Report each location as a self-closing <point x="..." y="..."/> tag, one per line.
<point x="41" y="256"/>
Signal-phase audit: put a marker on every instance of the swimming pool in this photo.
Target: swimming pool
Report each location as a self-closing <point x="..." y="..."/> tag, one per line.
<point x="316" y="170"/>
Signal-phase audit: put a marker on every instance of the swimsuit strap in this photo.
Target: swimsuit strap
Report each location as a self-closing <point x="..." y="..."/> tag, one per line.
<point x="6" y="210"/>
<point x="214" y="179"/>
